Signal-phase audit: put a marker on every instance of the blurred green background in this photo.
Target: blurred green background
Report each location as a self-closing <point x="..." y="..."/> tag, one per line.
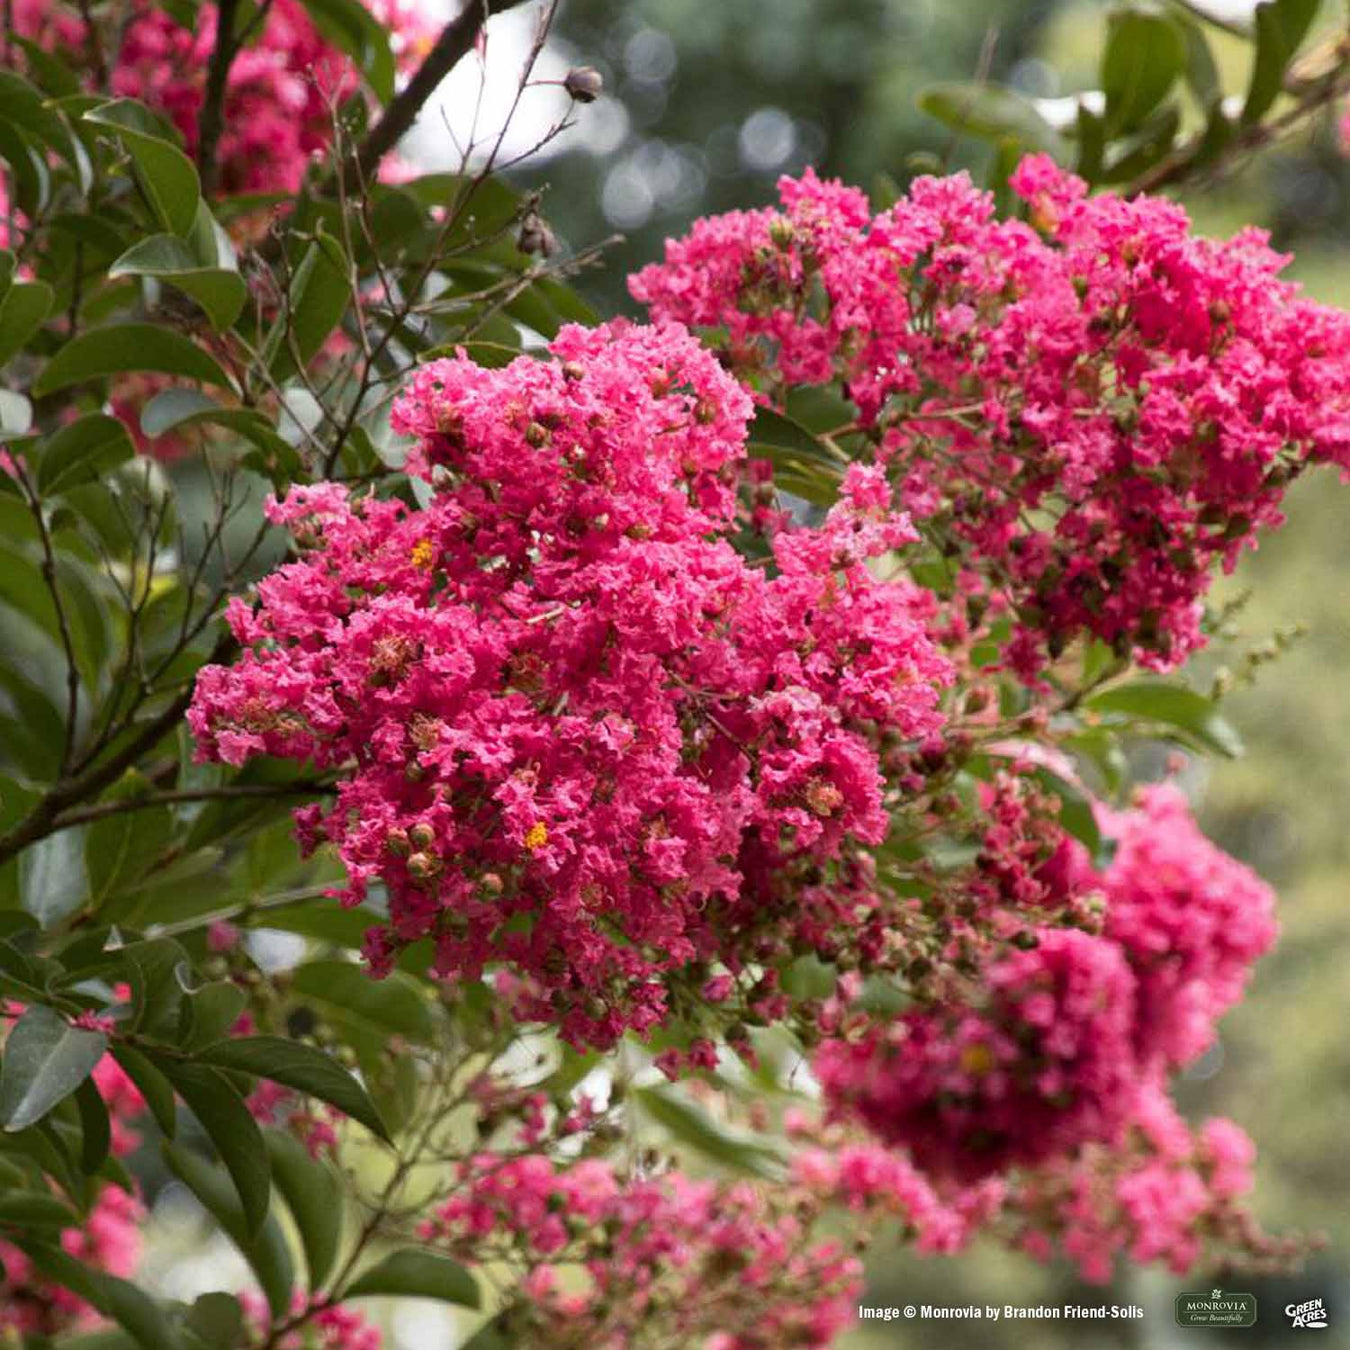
<point x="707" y="104"/>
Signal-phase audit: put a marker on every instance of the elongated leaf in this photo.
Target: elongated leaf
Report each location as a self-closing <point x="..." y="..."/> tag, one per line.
<point x="314" y="1197"/>
<point x="692" y="1126"/>
<point x="25" y="306"/>
<point x="46" y="1059"/>
<point x="1171" y="705"/>
<point x="35" y="1209"/>
<point x="156" y="994"/>
<point x="319" y="295"/>
<point x="418" y="1274"/>
<point x="220" y="292"/>
<point x="991" y="112"/>
<point x="266" y="1250"/>
<point x="209" y="1012"/>
<point x="392" y="1004"/>
<point x="167" y="176"/>
<point x="95" y="1128"/>
<point x="123" y="347"/>
<point x="230" y="1126"/>
<point x="801" y="463"/>
<point x="175" y="408"/>
<point x="301" y="1067"/>
<point x="152" y="1085"/>
<point x="1144" y="55"/>
<point x="1281" y="26"/>
<point x="81" y="451"/>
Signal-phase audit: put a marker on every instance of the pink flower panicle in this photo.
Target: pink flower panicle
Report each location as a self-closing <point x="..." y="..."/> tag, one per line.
<point x="1096" y="411"/>
<point x="588" y="738"/>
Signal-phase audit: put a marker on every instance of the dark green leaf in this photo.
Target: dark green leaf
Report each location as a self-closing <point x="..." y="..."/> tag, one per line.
<point x="220" y="292"/>
<point x="802" y="464"/>
<point x="216" y="1320"/>
<point x="265" y="1249"/>
<point x="1076" y="814"/>
<point x="301" y="1067"/>
<point x="230" y="1126"/>
<point x="46" y="1059"/>
<point x="25" y="306"/>
<point x="35" y="1209"/>
<point x="319" y="295"/>
<point x="393" y="1004"/>
<point x="1167" y="704"/>
<point x="156" y="992"/>
<point x="314" y="1197"/>
<point x="82" y="450"/>
<point x="128" y="346"/>
<point x="95" y="1128"/>
<point x="1145" y="53"/>
<point x="414" y="1273"/>
<point x="809" y="977"/>
<point x="209" y="1012"/>
<point x="167" y="176"/>
<point x="152" y="1085"/>
<point x="1281" y="26"/>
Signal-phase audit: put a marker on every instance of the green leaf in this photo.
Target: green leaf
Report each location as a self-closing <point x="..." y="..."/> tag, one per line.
<point x="1202" y="74"/>
<point x="95" y="1128"/>
<point x="351" y="27"/>
<point x="46" y="1059"/>
<point x="413" y="1273"/>
<point x="123" y="347"/>
<point x="319" y="295"/>
<point x="216" y="1320"/>
<point x="172" y="409"/>
<point x="81" y="451"/>
<point x="25" y="306"/>
<point x="166" y="175"/>
<point x="1281" y="26"/>
<point x="345" y="989"/>
<point x="156" y="993"/>
<point x="230" y="1126"/>
<point x="220" y="292"/>
<point x="802" y="464"/>
<point x="809" y="977"/>
<point x="301" y="1067"/>
<point x="152" y="1085"/>
<point x="209" y="1012"/>
<point x="1145" y="53"/>
<point x="24" y="107"/>
<point x="266" y="1250"/>
<point x="990" y="112"/>
<point x="694" y="1127"/>
<point x="314" y="1197"/>
<point x="1170" y="705"/>
<point x="35" y="1209"/>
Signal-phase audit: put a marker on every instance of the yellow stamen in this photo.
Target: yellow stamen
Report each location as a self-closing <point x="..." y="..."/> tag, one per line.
<point x="423" y="554"/>
<point x="537" y="836"/>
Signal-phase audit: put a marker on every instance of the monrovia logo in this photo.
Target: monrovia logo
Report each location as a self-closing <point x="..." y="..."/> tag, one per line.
<point x="1312" y="1314"/>
<point x="1218" y="1308"/>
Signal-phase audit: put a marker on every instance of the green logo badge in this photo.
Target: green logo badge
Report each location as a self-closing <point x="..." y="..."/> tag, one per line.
<point x="1218" y="1308"/>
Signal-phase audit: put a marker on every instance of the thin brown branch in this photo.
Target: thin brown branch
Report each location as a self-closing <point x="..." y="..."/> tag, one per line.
<point x="211" y="119"/>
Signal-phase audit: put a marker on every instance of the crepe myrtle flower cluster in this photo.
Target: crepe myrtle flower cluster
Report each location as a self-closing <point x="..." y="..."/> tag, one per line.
<point x="575" y="731"/>
<point x="668" y="1258"/>
<point x="1094" y="409"/>
<point x="282" y="84"/>
<point x="1054" y="1048"/>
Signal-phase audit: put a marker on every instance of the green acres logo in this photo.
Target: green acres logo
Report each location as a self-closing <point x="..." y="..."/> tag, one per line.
<point x="1218" y="1308"/>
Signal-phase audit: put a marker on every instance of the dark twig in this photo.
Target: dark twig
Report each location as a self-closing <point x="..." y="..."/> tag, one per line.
<point x="211" y="119"/>
<point x="455" y="42"/>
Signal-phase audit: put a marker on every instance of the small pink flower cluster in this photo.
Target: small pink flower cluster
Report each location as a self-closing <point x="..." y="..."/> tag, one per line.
<point x="320" y="1326"/>
<point x="574" y="730"/>
<point x="1053" y="1049"/>
<point x="728" y="1267"/>
<point x="281" y="85"/>
<point x="1094" y="412"/>
<point x="1161" y="1194"/>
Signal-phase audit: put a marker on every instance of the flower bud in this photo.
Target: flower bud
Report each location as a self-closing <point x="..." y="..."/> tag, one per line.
<point x="535" y="237"/>
<point x="584" y="83"/>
